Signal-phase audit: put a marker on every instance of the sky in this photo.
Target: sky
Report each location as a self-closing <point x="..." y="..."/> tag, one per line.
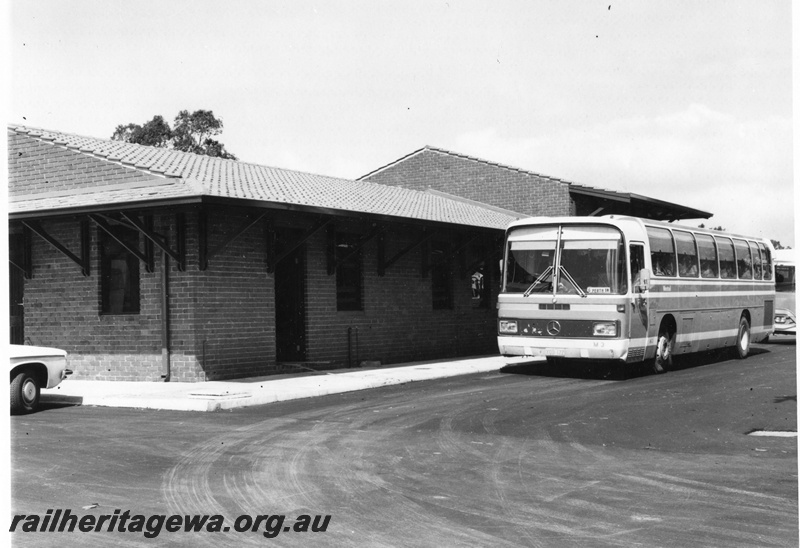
<point x="684" y="101"/>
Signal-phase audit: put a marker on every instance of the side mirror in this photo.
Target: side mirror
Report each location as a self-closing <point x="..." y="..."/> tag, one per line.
<point x="643" y="283"/>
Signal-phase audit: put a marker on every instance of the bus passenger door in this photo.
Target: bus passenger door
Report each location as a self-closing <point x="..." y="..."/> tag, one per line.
<point x="639" y="308"/>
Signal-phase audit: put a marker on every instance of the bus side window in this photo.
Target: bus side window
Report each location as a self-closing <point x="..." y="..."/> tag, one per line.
<point x="744" y="264"/>
<point x="766" y="261"/>
<point x="662" y="251"/>
<point x="708" y="256"/>
<point x="727" y="258"/>
<point x="756" y="253"/>
<point x="687" y="254"/>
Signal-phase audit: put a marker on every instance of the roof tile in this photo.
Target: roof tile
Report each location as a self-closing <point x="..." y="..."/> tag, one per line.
<point x="217" y="177"/>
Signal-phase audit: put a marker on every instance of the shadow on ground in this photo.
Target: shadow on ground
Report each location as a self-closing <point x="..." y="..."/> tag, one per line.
<point x="57" y="401"/>
<point x="615" y="371"/>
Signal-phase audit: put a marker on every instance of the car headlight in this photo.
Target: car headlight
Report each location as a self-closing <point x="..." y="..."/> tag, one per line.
<point x="508" y="326"/>
<point x="604" y="329"/>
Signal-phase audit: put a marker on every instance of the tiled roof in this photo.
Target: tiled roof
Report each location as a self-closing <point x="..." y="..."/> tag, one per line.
<point x="181" y="175"/>
<point x="671" y="210"/>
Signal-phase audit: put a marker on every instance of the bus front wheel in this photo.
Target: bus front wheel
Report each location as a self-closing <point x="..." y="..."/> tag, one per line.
<point x="743" y="338"/>
<point x="666" y="341"/>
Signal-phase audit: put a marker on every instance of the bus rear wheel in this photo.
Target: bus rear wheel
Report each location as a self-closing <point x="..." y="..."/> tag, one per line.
<point x="743" y="339"/>
<point x="664" y="346"/>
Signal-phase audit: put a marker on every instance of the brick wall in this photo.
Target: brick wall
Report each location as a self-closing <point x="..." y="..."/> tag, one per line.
<point x="480" y="181"/>
<point x="222" y="319"/>
<point x="62" y="306"/>
<point x="234" y="303"/>
<point x="397" y="323"/>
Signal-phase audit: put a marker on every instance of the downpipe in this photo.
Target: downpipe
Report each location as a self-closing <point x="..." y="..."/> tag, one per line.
<point x="350" y="332"/>
<point x="165" y="357"/>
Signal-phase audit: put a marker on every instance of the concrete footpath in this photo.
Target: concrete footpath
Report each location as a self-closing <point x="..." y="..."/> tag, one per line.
<point x="219" y="395"/>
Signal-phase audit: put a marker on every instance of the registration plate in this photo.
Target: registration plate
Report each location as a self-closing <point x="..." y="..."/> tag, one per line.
<point x="555" y="352"/>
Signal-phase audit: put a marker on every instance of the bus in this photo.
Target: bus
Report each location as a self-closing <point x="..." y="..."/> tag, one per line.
<point x="785" y="323"/>
<point x="631" y="290"/>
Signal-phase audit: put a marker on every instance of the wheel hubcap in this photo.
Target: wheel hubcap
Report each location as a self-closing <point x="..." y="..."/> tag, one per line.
<point x="28" y="391"/>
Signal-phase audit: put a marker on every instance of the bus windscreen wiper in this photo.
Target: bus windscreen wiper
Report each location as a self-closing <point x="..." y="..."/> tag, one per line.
<point x="571" y="280"/>
<point x="539" y="280"/>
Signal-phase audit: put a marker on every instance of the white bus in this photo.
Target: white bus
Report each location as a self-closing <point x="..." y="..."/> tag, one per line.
<point x="631" y="290"/>
<point x="785" y="322"/>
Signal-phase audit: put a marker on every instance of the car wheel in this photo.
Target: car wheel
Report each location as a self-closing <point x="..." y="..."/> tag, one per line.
<point x="24" y="393"/>
<point x="743" y="339"/>
<point x="663" y="360"/>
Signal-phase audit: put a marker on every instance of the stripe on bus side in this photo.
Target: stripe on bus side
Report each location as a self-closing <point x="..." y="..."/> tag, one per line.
<point x="699" y="336"/>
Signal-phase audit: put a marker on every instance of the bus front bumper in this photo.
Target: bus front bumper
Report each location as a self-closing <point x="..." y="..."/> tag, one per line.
<point x="592" y="349"/>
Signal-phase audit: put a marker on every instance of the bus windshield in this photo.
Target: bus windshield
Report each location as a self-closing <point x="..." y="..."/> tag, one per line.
<point x="590" y="261"/>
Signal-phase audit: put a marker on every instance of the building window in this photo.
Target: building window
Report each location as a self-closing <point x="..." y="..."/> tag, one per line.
<point x="441" y="277"/>
<point x="349" y="275"/>
<point x="119" y="272"/>
<point x="480" y="282"/>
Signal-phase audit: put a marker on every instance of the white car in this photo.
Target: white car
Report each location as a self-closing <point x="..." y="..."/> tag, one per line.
<point x="34" y="368"/>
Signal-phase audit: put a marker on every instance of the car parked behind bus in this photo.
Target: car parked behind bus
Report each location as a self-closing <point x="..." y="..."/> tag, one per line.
<point x="785" y="322"/>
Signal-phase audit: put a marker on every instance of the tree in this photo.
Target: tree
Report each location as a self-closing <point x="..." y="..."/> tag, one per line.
<point x="192" y="133"/>
<point x="777" y="245"/>
<point x="717" y="228"/>
<point x="155" y="133"/>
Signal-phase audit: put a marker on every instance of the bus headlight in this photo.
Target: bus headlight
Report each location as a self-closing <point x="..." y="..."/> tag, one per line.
<point x="508" y="326"/>
<point x="604" y="329"/>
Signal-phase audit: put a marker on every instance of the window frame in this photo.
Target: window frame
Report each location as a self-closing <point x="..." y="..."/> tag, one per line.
<point x="349" y="273"/>
<point x="726" y="248"/>
<point x="702" y="241"/>
<point x="131" y="295"/>
<point x="653" y="236"/>
<point x="739" y="245"/>
<point x="686" y="246"/>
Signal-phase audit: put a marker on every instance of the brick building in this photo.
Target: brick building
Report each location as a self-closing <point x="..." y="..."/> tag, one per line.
<point x="148" y="264"/>
<point x="529" y="193"/>
<point x="152" y="264"/>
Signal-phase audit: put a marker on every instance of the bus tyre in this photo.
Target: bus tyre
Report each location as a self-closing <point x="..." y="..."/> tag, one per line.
<point x="663" y="360"/>
<point x="743" y="339"/>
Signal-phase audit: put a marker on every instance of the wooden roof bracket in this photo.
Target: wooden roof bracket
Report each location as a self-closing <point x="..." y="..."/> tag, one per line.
<point x="273" y="258"/>
<point x="83" y="261"/>
<point x="384" y="264"/>
<point x="146" y="258"/>
<point x="333" y="262"/>
<point x="147" y="231"/>
<point x="453" y="254"/>
<point x="204" y="254"/>
<point x="496" y="248"/>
